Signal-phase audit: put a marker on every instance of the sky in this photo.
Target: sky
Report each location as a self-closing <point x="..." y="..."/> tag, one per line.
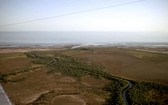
<point x="137" y="15"/>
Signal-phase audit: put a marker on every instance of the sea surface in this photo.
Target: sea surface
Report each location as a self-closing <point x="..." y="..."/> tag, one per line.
<point x="17" y="39"/>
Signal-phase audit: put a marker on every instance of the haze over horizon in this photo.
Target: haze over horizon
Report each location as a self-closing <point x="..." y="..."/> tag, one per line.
<point x="137" y="15"/>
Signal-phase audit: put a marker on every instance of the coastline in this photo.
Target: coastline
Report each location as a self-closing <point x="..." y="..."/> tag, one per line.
<point x="162" y="49"/>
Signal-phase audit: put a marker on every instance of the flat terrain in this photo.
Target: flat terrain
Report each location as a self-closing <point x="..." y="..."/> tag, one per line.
<point x="68" y="100"/>
<point x="28" y="49"/>
<point x="82" y="76"/>
<point x="131" y="64"/>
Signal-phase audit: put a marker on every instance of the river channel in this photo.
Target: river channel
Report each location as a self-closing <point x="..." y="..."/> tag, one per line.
<point x="125" y="92"/>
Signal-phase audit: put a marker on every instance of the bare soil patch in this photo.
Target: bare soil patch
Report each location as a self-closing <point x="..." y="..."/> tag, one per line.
<point x="68" y="100"/>
<point x="66" y="79"/>
<point x="34" y="97"/>
<point x="93" y="100"/>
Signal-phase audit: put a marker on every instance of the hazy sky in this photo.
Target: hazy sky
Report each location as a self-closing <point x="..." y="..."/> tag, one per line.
<point x="148" y="15"/>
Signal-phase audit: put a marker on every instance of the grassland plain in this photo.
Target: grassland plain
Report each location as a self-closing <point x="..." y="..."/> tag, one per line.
<point x="91" y="76"/>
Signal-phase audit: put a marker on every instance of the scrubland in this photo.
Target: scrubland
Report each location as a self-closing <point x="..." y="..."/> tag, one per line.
<point x="85" y="76"/>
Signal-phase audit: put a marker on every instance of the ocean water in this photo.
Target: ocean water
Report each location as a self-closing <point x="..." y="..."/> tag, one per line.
<point x="85" y="38"/>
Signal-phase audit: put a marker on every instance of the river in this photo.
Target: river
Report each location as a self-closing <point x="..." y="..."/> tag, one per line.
<point x="125" y="92"/>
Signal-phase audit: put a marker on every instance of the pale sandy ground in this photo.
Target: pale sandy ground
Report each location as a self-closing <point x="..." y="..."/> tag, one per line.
<point x="148" y="49"/>
<point x="34" y="97"/>
<point x="153" y="51"/>
<point x="74" y="98"/>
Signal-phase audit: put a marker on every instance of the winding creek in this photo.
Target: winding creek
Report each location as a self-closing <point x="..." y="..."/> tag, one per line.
<point x="125" y="92"/>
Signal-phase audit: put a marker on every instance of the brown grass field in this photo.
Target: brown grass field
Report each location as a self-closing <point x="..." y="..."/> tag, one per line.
<point x="131" y="66"/>
<point x="58" y="89"/>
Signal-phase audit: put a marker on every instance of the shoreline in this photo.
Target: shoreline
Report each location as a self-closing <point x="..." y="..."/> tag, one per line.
<point x="22" y="49"/>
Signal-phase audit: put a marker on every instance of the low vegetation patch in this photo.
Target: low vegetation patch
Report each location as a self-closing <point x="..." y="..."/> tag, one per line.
<point x="4" y="78"/>
<point x="115" y="88"/>
<point x="148" y="93"/>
